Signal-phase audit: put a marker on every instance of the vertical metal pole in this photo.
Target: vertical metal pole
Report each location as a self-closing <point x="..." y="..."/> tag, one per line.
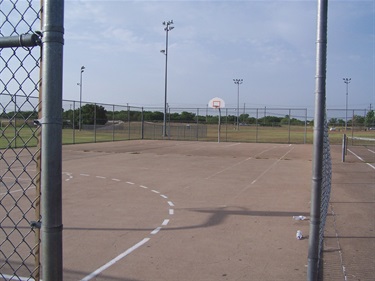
<point x="165" y="85"/>
<point x="352" y="126"/>
<point x="317" y="173"/>
<point x="305" y="134"/>
<point x="343" y="148"/>
<point x="256" y="126"/>
<point x="51" y="182"/>
<point x="218" y="129"/>
<point x="94" y="122"/>
<point x="128" y="122"/>
<point x="113" y="122"/>
<point x="197" y="124"/>
<point x="289" y="126"/>
<point x="39" y="166"/>
<point x="142" y="125"/>
<point x="74" y="125"/>
<point x="238" y="106"/>
<point x="346" y="106"/>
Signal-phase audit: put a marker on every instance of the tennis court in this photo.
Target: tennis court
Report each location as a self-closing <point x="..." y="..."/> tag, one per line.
<point x="169" y="210"/>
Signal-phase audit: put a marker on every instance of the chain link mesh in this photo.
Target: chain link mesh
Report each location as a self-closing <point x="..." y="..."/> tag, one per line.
<point x="19" y="152"/>
<point x="325" y="192"/>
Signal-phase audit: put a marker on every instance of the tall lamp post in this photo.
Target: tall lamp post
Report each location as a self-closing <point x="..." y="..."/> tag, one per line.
<point x="238" y="82"/>
<point x="80" y="99"/>
<point x="346" y="81"/>
<point x="167" y="28"/>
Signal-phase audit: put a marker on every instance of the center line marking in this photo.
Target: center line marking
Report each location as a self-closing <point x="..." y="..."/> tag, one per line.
<point x="171" y="211"/>
<point x="155" y="191"/>
<point x="129" y="182"/>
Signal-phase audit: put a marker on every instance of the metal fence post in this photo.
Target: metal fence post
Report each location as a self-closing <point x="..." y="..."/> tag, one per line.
<point x="94" y="122"/>
<point x="113" y="122"/>
<point x="289" y="126"/>
<point x="51" y="181"/>
<point x="305" y="134"/>
<point x="318" y="146"/>
<point x="197" y="124"/>
<point x="142" y="125"/>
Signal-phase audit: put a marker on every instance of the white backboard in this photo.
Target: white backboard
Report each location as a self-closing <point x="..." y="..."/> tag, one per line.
<point x="216" y="103"/>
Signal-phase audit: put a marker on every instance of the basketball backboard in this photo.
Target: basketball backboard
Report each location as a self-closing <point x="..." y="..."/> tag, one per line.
<point x="216" y="103"/>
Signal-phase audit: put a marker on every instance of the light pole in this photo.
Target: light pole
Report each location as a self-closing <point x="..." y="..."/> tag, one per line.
<point x="346" y="81"/>
<point x="238" y="82"/>
<point x="80" y="99"/>
<point x="167" y="28"/>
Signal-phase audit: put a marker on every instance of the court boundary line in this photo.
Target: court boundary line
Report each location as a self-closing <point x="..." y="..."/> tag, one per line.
<point x="361" y="159"/>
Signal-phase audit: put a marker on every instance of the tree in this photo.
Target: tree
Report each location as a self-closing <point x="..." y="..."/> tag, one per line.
<point x="187" y="116"/>
<point x="92" y="113"/>
<point x="370" y="119"/>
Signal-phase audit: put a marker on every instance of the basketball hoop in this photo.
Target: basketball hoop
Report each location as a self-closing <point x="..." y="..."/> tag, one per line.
<point x="216" y="103"/>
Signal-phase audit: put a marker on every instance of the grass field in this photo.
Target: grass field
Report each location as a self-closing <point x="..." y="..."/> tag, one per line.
<point x="27" y="135"/>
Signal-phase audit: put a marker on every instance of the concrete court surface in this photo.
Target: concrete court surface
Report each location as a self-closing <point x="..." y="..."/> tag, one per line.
<point x="165" y="210"/>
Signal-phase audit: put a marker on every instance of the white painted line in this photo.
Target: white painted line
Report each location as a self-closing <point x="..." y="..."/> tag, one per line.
<point x="234" y="144"/>
<point x="129" y="182"/>
<point x="171" y="211"/>
<point x="155" y="191"/>
<point x="17" y="190"/>
<point x="372" y="151"/>
<point x="272" y="165"/>
<point x="165" y="222"/>
<point x="100" y="177"/>
<point x="165" y="197"/>
<point x="84" y="175"/>
<point x="156" y="230"/>
<point x="116" y="259"/>
<point x="13" y="277"/>
<point x="145" y="187"/>
<point x="361" y="159"/>
<point x="170" y="203"/>
<point x="116" y="180"/>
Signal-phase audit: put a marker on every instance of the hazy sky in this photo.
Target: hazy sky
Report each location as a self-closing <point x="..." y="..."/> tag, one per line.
<point x="269" y="44"/>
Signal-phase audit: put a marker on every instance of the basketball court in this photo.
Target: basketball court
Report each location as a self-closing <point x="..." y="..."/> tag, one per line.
<point x="168" y="210"/>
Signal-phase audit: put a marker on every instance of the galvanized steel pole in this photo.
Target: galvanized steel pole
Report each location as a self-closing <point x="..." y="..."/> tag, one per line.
<point x="51" y="181"/>
<point x="317" y="173"/>
<point x="167" y="28"/>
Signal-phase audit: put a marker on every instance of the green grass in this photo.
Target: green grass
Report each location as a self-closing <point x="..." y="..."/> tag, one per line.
<point x="28" y="135"/>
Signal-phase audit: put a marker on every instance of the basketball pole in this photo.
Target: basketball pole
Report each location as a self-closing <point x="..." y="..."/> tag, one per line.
<point x="219" y="126"/>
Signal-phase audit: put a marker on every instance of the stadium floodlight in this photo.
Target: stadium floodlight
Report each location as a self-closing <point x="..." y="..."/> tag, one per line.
<point x="346" y="81"/>
<point x="80" y="99"/>
<point x="167" y="28"/>
<point x="238" y="82"/>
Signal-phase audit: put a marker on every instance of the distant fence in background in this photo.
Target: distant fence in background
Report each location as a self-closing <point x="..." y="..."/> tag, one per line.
<point x="109" y="122"/>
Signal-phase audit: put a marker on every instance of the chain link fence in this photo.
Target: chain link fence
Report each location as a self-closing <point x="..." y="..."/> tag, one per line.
<point x="19" y="151"/>
<point x="85" y="122"/>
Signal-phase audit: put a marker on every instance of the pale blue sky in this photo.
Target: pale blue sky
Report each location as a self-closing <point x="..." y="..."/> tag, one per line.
<point x="269" y="44"/>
